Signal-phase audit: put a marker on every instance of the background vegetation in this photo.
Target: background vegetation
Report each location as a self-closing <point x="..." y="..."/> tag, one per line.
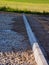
<point x="25" y="5"/>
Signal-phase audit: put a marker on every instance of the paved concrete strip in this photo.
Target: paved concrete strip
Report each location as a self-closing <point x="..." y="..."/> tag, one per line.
<point x="39" y="57"/>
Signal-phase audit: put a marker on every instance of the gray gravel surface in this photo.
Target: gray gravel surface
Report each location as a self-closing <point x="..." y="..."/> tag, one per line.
<point x="14" y="44"/>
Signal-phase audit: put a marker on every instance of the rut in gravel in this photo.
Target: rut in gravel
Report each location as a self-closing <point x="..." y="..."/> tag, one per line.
<point x="18" y="26"/>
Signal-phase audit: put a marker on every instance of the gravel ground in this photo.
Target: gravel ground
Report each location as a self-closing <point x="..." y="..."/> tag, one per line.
<point x="10" y="40"/>
<point x="13" y="51"/>
<point x="18" y="58"/>
<point x="14" y="44"/>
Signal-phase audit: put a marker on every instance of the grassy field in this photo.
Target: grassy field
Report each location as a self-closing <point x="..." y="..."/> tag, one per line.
<point x="29" y="5"/>
<point x="31" y="1"/>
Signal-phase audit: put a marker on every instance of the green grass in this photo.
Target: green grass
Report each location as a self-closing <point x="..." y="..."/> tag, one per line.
<point x="25" y="5"/>
<point x="31" y="1"/>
